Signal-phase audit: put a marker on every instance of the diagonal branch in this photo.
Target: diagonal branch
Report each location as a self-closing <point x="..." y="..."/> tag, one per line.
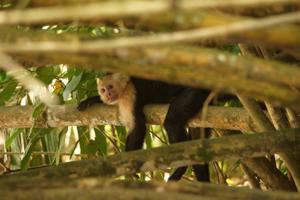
<point x="187" y="153"/>
<point x="194" y="67"/>
<point x="24" y="77"/>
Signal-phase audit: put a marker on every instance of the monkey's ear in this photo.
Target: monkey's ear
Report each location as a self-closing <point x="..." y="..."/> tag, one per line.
<point x="99" y="81"/>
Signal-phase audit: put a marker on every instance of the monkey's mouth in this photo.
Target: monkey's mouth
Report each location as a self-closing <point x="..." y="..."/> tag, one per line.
<point x="112" y="99"/>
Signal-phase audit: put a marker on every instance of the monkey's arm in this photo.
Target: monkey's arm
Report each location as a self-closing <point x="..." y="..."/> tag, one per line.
<point x="88" y="102"/>
<point x="136" y="136"/>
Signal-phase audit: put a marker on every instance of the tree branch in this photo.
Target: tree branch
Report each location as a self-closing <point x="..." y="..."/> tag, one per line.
<point x="292" y="161"/>
<point x="188" y="20"/>
<point x="29" y="82"/>
<point x="162" y="38"/>
<point x="208" y="66"/>
<point x="93" y="188"/>
<point x="187" y="153"/>
<point x="203" y="4"/>
<point x="56" y="116"/>
<point x="111" y="9"/>
<point x="206" y="19"/>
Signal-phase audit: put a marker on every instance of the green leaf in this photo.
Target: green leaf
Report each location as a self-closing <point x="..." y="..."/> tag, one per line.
<point x="101" y="140"/>
<point x="47" y="74"/>
<point x="13" y="135"/>
<point x="49" y="143"/>
<point x="121" y="132"/>
<point x="75" y="145"/>
<point x="61" y="143"/>
<point x="28" y="151"/>
<point x="72" y="85"/>
<point x="148" y="139"/>
<point x="92" y="147"/>
<point x="8" y="91"/>
<point x="2" y="75"/>
<point x="38" y="110"/>
<point x="70" y="73"/>
<point x="233" y="103"/>
<point x="84" y="138"/>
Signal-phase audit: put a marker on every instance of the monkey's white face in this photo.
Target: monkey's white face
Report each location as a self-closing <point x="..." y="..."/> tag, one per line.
<point x="110" y="88"/>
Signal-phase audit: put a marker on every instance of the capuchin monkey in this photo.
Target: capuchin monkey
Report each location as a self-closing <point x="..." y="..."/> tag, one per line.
<point x="131" y="94"/>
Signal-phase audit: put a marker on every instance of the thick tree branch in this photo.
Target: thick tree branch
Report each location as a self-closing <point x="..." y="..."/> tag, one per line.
<point x="187" y="153"/>
<point x="190" y="58"/>
<point x="245" y="75"/>
<point x="207" y="59"/>
<point x="203" y="4"/>
<point x="208" y="66"/>
<point x="266" y="171"/>
<point x="264" y="124"/>
<point x="56" y="116"/>
<point x="271" y="176"/>
<point x="206" y="19"/>
<point x="95" y="188"/>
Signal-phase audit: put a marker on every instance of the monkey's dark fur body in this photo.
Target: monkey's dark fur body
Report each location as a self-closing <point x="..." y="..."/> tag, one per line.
<point x="184" y="102"/>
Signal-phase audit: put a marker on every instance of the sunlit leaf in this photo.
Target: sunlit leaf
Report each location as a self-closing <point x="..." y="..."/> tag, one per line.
<point x="13" y="135"/>
<point x="47" y="74"/>
<point x="71" y="85"/>
<point x="28" y="151"/>
<point x="92" y="147"/>
<point x="8" y="91"/>
<point x="84" y="138"/>
<point x="61" y="143"/>
<point x="148" y="139"/>
<point x="101" y="140"/>
<point x="121" y="131"/>
<point x="49" y="143"/>
<point x="38" y="110"/>
<point x="2" y="75"/>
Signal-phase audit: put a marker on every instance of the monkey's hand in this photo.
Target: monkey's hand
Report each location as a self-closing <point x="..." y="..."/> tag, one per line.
<point x="83" y="105"/>
<point x="88" y="103"/>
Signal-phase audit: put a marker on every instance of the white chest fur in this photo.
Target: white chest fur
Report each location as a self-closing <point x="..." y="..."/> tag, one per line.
<point x="126" y="107"/>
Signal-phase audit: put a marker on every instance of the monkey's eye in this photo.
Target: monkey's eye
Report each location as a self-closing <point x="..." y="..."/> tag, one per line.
<point x="102" y="90"/>
<point x="109" y="87"/>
